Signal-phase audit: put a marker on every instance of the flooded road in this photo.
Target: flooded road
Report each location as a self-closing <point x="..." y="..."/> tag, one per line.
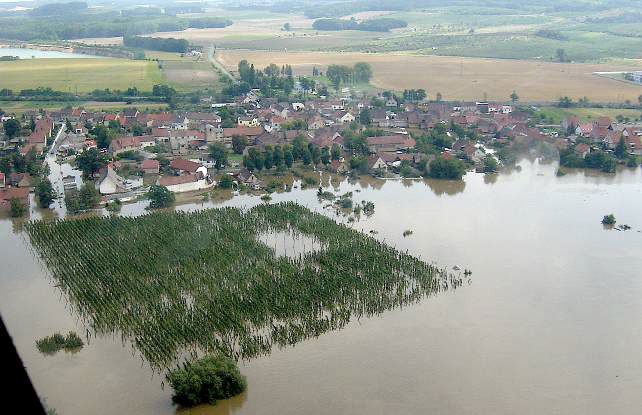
<point x="549" y="324"/>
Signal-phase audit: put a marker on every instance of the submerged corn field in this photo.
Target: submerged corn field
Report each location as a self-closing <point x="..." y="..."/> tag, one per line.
<point x="174" y="283"/>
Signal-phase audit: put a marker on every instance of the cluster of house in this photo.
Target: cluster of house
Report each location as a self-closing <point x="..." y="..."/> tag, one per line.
<point x="268" y="122"/>
<point x="17" y="186"/>
<point x="602" y="133"/>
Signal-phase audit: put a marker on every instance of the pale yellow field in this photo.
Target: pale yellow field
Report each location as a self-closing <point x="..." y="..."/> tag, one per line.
<point x="461" y="78"/>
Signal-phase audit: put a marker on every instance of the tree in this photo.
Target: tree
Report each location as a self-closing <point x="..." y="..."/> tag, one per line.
<point x="438" y="97"/>
<point x="90" y="161"/>
<point x="565" y="102"/>
<point x="238" y="144"/>
<point x="225" y="182"/>
<point x="12" y="127"/>
<point x="325" y="156"/>
<point x="362" y="72"/>
<point x="490" y="164"/>
<point x="88" y="196"/>
<point x="364" y="117"/>
<point x="206" y="381"/>
<point x="287" y="27"/>
<point x="620" y="149"/>
<point x="160" y="197"/>
<point x="18" y="209"/>
<point x="218" y="153"/>
<point x="306" y="157"/>
<point x="514" y="97"/>
<point x="608" y="219"/>
<point x="44" y="192"/>
<point x="277" y="156"/>
<point x="335" y="152"/>
<point x="561" y="55"/>
<point x="103" y="135"/>
<point x="447" y="168"/>
<point x="288" y="158"/>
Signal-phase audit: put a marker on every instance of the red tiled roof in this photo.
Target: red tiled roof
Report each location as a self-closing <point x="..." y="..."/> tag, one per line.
<point x="173" y="180"/>
<point x="392" y="140"/>
<point x="242" y="131"/>
<point x="185" y="165"/>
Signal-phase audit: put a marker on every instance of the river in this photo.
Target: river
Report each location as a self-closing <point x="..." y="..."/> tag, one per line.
<point x="24" y="53"/>
<point x="548" y="324"/>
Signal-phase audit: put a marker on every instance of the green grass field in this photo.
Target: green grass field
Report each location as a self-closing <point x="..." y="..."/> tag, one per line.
<point x="19" y="107"/>
<point x="556" y="115"/>
<point x="79" y="75"/>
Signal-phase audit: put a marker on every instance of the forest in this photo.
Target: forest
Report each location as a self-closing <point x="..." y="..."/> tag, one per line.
<point x="106" y="24"/>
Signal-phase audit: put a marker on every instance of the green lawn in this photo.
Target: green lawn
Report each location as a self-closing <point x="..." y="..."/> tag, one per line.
<point x="79" y="75"/>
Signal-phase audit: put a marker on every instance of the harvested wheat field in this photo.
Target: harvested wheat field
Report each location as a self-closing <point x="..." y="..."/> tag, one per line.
<point x="461" y="78"/>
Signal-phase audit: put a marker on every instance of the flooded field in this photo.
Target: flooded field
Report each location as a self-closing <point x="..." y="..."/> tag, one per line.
<point x="549" y="322"/>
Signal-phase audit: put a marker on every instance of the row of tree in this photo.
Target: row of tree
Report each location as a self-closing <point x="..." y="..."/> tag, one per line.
<point x="373" y="25"/>
<point x="361" y="72"/>
<point x="157" y="43"/>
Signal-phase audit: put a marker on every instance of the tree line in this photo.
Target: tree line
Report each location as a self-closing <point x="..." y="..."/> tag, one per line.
<point x="361" y="72"/>
<point x="107" y="24"/>
<point x="384" y="24"/>
<point x="157" y="43"/>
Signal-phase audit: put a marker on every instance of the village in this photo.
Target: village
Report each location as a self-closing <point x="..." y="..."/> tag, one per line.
<point x="240" y="144"/>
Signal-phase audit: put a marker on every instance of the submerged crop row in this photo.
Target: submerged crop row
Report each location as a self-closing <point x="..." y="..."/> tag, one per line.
<point x="176" y="282"/>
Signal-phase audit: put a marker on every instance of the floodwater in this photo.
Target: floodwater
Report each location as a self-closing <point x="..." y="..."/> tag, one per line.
<point x="25" y="53"/>
<point x="550" y="323"/>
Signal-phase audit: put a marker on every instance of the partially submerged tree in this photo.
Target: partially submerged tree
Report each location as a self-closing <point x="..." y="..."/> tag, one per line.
<point x="160" y="197"/>
<point x="206" y="381"/>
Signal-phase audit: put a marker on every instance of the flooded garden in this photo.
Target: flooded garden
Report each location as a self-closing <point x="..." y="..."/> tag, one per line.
<point x="547" y="322"/>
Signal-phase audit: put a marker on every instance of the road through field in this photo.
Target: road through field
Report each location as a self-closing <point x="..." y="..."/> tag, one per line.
<point x="459" y="78"/>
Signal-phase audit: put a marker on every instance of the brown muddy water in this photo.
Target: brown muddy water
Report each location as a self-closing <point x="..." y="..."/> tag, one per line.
<point x="550" y="323"/>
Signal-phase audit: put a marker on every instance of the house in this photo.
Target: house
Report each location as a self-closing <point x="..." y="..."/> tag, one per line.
<point x="298" y="106"/>
<point x="69" y="184"/>
<point x="584" y="129"/>
<point x="182" y="166"/>
<point x="162" y="119"/>
<point x="8" y="193"/>
<point x="247" y="132"/>
<point x="130" y="113"/>
<point x="602" y="122"/>
<point x="20" y="179"/>
<point x="150" y="166"/>
<point x="314" y="121"/>
<point x="582" y="150"/>
<point x="188" y="182"/>
<point x="337" y="166"/>
<point x="123" y="144"/>
<point x="390" y="143"/>
<point x="376" y="162"/>
<point x="391" y="102"/>
<point x="112" y="182"/>
<point x="249" y="179"/>
<point x="80" y="129"/>
<point x="633" y="144"/>
<point x="247" y="121"/>
<point x="269" y="139"/>
<point x="344" y="117"/>
<point x="570" y="123"/>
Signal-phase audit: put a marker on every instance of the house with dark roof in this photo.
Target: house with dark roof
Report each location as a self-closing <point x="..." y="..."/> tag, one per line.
<point x="390" y="143"/>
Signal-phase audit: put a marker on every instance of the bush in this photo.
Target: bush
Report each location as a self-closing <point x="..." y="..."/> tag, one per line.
<point x="51" y="344"/>
<point x="608" y="219"/>
<point x="18" y="209"/>
<point x="206" y="381"/>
